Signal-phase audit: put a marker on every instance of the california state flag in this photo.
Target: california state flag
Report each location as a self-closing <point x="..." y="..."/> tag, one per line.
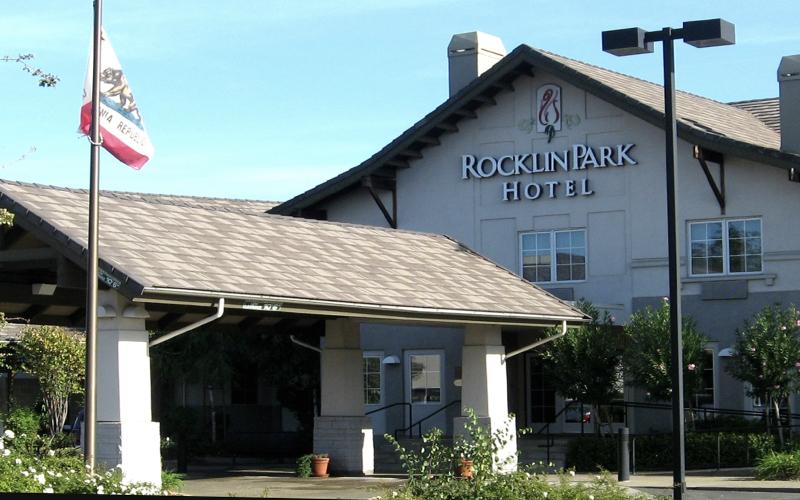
<point x="121" y="126"/>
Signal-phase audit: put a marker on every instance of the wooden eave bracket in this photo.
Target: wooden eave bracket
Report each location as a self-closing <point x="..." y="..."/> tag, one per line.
<point x="372" y="184"/>
<point x="702" y="155"/>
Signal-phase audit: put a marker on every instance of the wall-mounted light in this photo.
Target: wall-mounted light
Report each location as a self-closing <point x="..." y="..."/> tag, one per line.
<point x="391" y="360"/>
<point x="43" y="288"/>
<point x="728" y="352"/>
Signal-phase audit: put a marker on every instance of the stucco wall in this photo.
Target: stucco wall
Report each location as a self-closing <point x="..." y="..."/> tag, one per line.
<point x="625" y="218"/>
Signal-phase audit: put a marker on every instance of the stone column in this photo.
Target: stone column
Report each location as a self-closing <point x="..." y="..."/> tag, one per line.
<point x="126" y="434"/>
<point x="342" y="431"/>
<point x="484" y="387"/>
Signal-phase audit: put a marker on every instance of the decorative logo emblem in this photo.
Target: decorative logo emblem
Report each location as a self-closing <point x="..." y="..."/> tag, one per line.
<point x="548" y="109"/>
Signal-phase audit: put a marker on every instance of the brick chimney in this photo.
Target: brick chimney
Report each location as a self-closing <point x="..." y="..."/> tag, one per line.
<point x="789" y="88"/>
<point x="470" y="55"/>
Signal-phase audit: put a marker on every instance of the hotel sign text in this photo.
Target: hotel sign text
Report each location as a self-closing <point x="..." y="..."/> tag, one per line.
<point x="578" y="157"/>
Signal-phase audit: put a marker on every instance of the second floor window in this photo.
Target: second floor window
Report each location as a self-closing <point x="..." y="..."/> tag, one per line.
<point x="554" y="256"/>
<point x="725" y="247"/>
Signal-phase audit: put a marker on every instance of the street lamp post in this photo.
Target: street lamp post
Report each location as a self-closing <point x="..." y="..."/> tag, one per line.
<point x="631" y="41"/>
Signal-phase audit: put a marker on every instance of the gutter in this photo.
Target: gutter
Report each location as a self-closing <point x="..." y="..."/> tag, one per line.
<point x="275" y="304"/>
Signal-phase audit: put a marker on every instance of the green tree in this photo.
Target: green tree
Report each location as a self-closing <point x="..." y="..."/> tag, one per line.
<point x="768" y="357"/>
<point x="57" y="359"/>
<point x="647" y="358"/>
<point x="6" y="219"/>
<point x="586" y="363"/>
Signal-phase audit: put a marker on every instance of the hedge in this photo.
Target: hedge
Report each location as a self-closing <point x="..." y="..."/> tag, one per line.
<point x="654" y="452"/>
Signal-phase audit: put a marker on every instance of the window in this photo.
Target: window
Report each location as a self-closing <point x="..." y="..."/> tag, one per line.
<point x="554" y="256"/>
<point x="372" y="378"/>
<point x="426" y="378"/>
<point x="541" y="394"/>
<point x="705" y="396"/>
<point x="725" y="247"/>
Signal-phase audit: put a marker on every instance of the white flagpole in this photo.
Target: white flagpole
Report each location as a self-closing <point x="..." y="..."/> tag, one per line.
<point x="90" y="413"/>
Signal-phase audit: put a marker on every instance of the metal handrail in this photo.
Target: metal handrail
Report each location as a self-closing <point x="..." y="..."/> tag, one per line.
<point x="548" y="443"/>
<point x="720" y="411"/>
<point x="382" y="408"/>
<point x="418" y="423"/>
<point x="555" y="417"/>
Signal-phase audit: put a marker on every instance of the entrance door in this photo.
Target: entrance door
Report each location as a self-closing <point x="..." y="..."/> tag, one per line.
<point x="541" y="395"/>
<point x="424" y="383"/>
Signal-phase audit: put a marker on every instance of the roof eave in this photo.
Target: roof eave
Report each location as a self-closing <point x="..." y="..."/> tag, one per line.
<point x="50" y="235"/>
<point x="371" y="312"/>
<point x="528" y="58"/>
<point x="447" y="112"/>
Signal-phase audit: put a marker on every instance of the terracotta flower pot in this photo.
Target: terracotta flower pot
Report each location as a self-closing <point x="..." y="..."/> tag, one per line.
<point x="319" y="466"/>
<point x="465" y="469"/>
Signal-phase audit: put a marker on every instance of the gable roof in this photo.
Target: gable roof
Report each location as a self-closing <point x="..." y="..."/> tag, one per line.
<point x="152" y="249"/>
<point x="706" y="122"/>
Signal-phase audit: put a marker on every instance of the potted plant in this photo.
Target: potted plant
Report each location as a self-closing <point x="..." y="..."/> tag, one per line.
<point x="464" y="469"/>
<point x="466" y="450"/>
<point x="319" y="464"/>
<point x="304" y="465"/>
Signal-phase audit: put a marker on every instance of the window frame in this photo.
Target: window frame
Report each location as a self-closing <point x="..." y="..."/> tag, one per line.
<point x="410" y="391"/>
<point x="714" y="355"/>
<point x="725" y="247"/>
<point x="379" y="355"/>
<point x="553" y="255"/>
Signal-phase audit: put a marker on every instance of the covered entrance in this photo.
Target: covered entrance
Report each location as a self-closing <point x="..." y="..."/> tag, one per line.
<point x="174" y="263"/>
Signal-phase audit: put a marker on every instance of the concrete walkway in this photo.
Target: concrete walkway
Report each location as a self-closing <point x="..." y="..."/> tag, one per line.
<point x="215" y="481"/>
<point x="250" y="481"/>
<point x="724" y="480"/>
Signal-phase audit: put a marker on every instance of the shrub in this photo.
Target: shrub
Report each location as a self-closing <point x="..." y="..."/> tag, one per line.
<point x="304" y="465"/>
<point x="431" y="472"/>
<point x="45" y="470"/>
<point x="171" y="482"/>
<point x="779" y="466"/>
<point x="25" y="423"/>
<point x="654" y="452"/>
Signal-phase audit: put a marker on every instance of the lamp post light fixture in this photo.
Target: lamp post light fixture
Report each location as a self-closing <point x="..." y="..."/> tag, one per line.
<point x="631" y="41"/>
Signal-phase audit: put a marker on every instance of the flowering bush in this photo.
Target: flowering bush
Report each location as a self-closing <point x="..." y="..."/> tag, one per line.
<point x="58" y="471"/>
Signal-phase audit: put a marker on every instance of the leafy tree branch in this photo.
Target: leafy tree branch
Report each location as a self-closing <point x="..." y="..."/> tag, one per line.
<point x="45" y="79"/>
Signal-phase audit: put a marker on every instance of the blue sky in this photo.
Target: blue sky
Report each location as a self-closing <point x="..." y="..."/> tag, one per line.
<point x="265" y="99"/>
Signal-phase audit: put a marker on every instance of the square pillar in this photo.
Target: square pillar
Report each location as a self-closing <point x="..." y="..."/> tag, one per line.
<point x="342" y="431"/>
<point x="125" y="433"/>
<point x="484" y="387"/>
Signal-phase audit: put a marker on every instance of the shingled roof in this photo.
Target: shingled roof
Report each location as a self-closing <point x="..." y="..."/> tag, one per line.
<point x="767" y="110"/>
<point x="152" y="247"/>
<point x="715" y="125"/>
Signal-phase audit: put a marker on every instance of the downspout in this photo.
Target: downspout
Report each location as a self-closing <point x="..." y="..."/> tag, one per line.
<point x="303" y="344"/>
<point x="196" y="324"/>
<point x="313" y="348"/>
<point x="543" y="341"/>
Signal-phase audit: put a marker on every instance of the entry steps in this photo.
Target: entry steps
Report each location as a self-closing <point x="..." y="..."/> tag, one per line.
<point x="532" y="451"/>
